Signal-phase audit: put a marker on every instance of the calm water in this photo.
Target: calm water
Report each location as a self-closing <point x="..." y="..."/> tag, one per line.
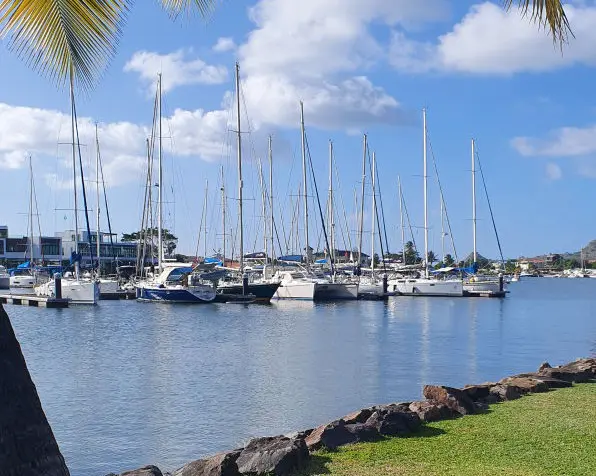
<point x="125" y="384"/>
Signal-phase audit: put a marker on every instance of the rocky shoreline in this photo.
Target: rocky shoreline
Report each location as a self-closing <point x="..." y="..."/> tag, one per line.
<point x="284" y="454"/>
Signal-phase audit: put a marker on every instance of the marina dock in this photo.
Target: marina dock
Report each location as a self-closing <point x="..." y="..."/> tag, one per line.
<point x="32" y="300"/>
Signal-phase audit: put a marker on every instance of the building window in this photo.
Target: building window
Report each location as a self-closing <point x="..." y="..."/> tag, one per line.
<point x="1" y="247"/>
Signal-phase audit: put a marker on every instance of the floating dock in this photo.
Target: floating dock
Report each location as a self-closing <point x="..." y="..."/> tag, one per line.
<point x="32" y="300"/>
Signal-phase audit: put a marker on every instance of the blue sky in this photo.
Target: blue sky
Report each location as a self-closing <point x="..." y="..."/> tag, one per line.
<point x="359" y="67"/>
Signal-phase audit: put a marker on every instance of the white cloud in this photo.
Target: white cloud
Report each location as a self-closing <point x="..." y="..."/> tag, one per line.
<point x="553" y="171"/>
<point x="176" y="68"/>
<point x="489" y="40"/>
<point x="562" y="142"/>
<point x="37" y="131"/>
<point x="224" y="44"/>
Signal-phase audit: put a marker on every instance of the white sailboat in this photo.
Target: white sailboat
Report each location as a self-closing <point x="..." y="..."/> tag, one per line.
<point x="305" y="284"/>
<point x="477" y="284"/>
<point x="74" y="288"/>
<point x="426" y="286"/>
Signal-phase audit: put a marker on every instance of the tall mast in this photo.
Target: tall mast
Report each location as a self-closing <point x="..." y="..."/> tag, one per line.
<point x="304" y="184"/>
<point x="425" y="177"/>
<point x="239" y="136"/>
<point x="74" y="170"/>
<point x="442" y="231"/>
<point x="31" y="214"/>
<point x="374" y="215"/>
<point x="159" y="188"/>
<point x="331" y="217"/>
<point x="97" y="190"/>
<point x="263" y="206"/>
<point x="205" y="220"/>
<point x="475" y="254"/>
<point x="361" y="227"/>
<point x="223" y="216"/>
<point x="401" y="220"/>
<point x="271" y="198"/>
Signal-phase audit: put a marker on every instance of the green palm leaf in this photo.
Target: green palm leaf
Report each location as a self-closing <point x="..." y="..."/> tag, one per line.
<point x="177" y="7"/>
<point x="64" y="37"/>
<point x="547" y="13"/>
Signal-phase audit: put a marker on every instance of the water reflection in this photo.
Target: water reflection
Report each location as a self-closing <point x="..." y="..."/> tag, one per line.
<point x="141" y="384"/>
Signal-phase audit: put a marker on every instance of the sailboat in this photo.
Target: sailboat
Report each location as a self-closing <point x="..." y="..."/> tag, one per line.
<point x="305" y="284"/>
<point x="175" y="282"/>
<point x="74" y="288"/>
<point x="27" y="274"/>
<point x="426" y="285"/>
<point x="477" y="284"/>
<point x="253" y="284"/>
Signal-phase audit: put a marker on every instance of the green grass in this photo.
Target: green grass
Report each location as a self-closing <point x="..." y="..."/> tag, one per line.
<point x="550" y="433"/>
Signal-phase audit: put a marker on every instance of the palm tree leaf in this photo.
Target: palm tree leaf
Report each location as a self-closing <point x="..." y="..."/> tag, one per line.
<point x="175" y="8"/>
<point x="546" y="13"/>
<point x="60" y="38"/>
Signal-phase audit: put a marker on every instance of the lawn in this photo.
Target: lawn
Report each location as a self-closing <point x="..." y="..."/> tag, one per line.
<point x="550" y="433"/>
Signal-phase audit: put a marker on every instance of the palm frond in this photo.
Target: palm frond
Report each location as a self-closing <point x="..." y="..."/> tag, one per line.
<point x="63" y="37"/>
<point x="176" y="8"/>
<point x="547" y="13"/>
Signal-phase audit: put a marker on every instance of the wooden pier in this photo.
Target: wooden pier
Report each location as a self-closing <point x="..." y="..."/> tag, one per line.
<point x="32" y="300"/>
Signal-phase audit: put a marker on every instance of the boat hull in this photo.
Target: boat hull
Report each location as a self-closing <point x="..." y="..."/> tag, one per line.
<point x="23" y="282"/>
<point x="483" y="287"/>
<point x="296" y="290"/>
<point x="335" y="291"/>
<point x="188" y="295"/>
<point x="426" y="287"/>
<point x="262" y="292"/>
<point x="77" y="292"/>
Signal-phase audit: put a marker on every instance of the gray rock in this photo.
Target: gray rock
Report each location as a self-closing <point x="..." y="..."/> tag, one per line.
<point x="477" y="393"/>
<point x="505" y="392"/>
<point x="330" y="435"/>
<point x="544" y="366"/>
<point x="144" y="471"/>
<point x="453" y="398"/>
<point x="359" y="416"/>
<point x="300" y="435"/>
<point x="525" y="384"/>
<point x="275" y="455"/>
<point x="393" y="422"/>
<point x="221" y="464"/>
<point x="429" y="411"/>
<point x="27" y="443"/>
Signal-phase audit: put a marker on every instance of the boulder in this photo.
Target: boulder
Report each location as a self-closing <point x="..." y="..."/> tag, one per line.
<point x="579" y="371"/>
<point x="505" y="392"/>
<point x="429" y="411"/>
<point x="330" y="435"/>
<point x="145" y="471"/>
<point x="359" y="416"/>
<point x="394" y="422"/>
<point x="478" y="393"/>
<point x="549" y="381"/>
<point x="525" y="384"/>
<point x="299" y="435"/>
<point x="544" y="366"/>
<point x="222" y="464"/>
<point x="453" y="398"/>
<point x="275" y="455"/>
<point x="363" y="432"/>
<point x="27" y="443"/>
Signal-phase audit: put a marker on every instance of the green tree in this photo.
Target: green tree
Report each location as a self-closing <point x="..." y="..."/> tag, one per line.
<point x="449" y="261"/>
<point x="151" y="239"/>
<point x="431" y="258"/>
<point x="76" y="39"/>
<point x="411" y="253"/>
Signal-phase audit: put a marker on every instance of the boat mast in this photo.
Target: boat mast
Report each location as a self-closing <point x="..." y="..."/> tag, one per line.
<point x="31" y="214"/>
<point x="331" y="217"/>
<point x="239" y="139"/>
<point x="74" y="171"/>
<point x="205" y="228"/>
<point x="425" y="180"/>
<point x="374" y="215"/>
<point x="271" y="198"/>
<point x="442" y="231"/>
<point x="475" y="254"/>
<point x="223" y="217"/>
<point x="263" y="206"/>
<point x="401" y="221"/>
<point x="159" y="188"/>
<point x="97" y="190"/>
<point x="361" y="227"/>
<point x="304" y="184"/>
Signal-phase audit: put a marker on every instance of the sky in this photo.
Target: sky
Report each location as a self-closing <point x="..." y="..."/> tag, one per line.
<point x="359" y="67"/>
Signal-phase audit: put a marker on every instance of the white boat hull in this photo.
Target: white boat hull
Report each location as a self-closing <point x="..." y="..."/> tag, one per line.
<point x="76" y="291"/>
<point x="426" y="287"/>
<point x="486" y="286"/>
<point x="24" y="282"/>
<point x="296" y="290"/>
<point x="108" y="286"/>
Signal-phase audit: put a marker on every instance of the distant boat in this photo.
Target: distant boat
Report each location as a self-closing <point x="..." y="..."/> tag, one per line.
<point x="176" y="284"/>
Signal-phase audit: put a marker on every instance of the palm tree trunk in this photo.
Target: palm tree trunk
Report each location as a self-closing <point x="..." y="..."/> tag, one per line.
<point x="27" y="443"/>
